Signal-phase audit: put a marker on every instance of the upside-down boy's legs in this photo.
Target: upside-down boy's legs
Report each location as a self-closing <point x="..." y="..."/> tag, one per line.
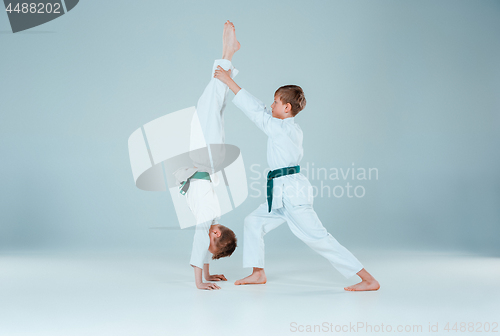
<point x="212" y="102"/>
<point x="210" y="108"/>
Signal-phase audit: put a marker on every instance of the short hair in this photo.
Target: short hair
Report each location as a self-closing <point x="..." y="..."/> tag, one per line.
<point x="225" y="244"/>
<point x="294" y="95"/>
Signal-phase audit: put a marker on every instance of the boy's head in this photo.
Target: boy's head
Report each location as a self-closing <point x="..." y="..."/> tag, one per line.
<point x="222" y="241"/>
<point x="288" y="101"/>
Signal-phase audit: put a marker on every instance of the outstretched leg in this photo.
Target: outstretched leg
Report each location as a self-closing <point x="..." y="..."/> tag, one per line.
<point x="207" y="150"/>
<point x="212" y="102"/>
<point x="305" y="224"/>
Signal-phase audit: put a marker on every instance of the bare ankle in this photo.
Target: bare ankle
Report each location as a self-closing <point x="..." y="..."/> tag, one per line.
<point x="365" y="276"/>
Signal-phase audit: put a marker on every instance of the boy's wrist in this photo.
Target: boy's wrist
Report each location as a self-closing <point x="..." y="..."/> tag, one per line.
<point x="233" y="86"/>
<point x="206" y="270"/>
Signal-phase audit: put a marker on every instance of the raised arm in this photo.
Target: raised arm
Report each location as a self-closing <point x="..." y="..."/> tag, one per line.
<point x="253" y="107"/>
<point x="258" y="113"/>
<point x="225" y="77"/>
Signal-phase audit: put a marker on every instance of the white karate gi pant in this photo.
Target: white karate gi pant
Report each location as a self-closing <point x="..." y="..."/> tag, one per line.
<point x="210" y="117"/>
<point x="305" y="224"/>
<point x="201" y="197"/>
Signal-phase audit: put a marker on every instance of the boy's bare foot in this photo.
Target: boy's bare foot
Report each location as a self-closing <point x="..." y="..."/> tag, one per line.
<point x="230" y="44"/>
<point x="364" y="286"/>
<point x="224" y="34"/>
<point x="258" y="277"/>
<point x="233" y="42"/>
<point x="368" y="284"/>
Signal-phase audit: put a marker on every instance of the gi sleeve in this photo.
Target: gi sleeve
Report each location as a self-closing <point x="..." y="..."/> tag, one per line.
<point x="257" y="112"/>
<point x="201" y="243"/>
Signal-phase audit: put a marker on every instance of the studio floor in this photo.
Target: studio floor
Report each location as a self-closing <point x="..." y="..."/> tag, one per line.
<point x="138" y="293"/>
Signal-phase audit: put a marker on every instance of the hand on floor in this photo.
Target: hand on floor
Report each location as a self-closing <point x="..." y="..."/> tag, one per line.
<point x="207" y="286"/>
<point x="216" y="277"/>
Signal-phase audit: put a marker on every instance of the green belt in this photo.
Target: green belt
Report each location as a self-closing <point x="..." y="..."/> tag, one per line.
<point x="197" y="176"/>
<point x="277" y="173"/>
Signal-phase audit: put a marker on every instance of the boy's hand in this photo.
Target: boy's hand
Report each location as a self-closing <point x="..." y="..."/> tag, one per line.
<point x="216" y="277"/>
<point x="207" y="286"/>
<point x="223" y="75"/>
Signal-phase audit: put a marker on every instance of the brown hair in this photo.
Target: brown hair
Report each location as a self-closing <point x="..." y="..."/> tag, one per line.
<point x="294" y="95"/>
<point x="225" y="244"/>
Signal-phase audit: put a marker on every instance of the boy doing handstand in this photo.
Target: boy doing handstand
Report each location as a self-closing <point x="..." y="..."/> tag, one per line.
<point x="197" y="185"/>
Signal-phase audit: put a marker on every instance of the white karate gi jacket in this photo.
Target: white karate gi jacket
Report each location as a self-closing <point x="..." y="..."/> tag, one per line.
<point x="284" y="149"/>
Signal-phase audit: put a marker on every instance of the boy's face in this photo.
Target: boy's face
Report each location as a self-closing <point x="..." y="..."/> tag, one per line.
<point x="214" y="234"/>
<point x="280" y="110"/>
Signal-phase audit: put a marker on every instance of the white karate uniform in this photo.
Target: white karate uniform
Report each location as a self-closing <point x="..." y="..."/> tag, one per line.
<point x="201" y="241"/>
<point x="292" y="194"/>
<point x="201" y="196"/>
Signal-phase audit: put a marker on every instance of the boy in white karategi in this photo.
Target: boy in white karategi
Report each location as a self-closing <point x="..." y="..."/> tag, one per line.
<point x="196" y="182"/>
<point x="289" y="193"/>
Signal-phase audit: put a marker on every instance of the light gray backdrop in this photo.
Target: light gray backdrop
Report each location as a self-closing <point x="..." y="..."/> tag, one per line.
<point x="408" y="87"/>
